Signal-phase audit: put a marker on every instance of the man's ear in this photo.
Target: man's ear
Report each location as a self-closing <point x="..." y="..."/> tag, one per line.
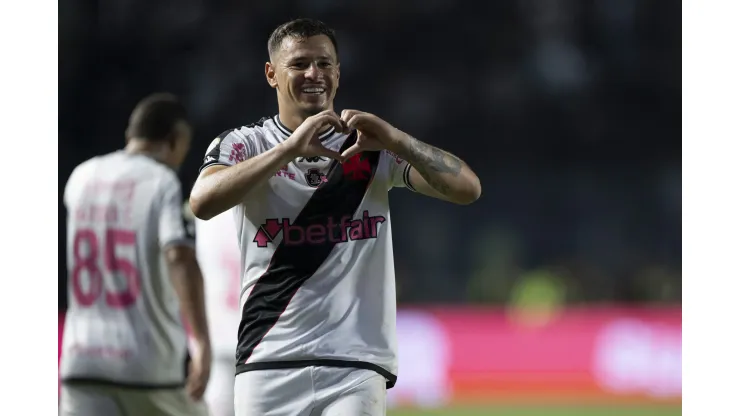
<point x="270" y="74"/>
<point x="172" y="140"/>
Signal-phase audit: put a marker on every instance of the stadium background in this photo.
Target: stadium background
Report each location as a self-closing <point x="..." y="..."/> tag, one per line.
<point x="561" y="286"/>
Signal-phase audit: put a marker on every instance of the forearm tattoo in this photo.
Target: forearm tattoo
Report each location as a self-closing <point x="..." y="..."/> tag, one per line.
<point x="430" y="162"/>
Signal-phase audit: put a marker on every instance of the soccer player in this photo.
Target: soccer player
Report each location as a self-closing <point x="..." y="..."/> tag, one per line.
<point x="218" y="253"/>
<point x="308" y="191"/>
<point x="132" y="275"/>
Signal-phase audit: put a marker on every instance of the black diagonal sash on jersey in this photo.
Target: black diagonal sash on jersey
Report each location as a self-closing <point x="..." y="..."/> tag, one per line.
<point x="291" y="266"/>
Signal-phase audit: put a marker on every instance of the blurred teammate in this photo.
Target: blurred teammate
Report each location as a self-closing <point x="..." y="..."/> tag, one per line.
<point x="318" y="303"/>
<point x="219" y="258"/>
<point x="132" y="274"/>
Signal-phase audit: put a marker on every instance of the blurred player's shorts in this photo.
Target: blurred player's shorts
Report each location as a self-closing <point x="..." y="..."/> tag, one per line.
<point x="116" y="401"/>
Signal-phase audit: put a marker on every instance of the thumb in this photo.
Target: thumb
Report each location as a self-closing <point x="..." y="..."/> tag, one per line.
<point x="351" y="151"/>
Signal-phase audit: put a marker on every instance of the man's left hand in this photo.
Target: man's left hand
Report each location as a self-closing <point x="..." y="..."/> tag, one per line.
<point x="373" y="133"/>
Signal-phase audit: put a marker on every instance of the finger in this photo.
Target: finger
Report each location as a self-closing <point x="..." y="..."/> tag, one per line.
<point x="325" y="112"/>
<point x="356" y="119"/>
<point x="320" y="118"/>
<point x="348" y="114"/>
<point x="345" y="127"/>
<point x="328" y="118"/>
<point x="351" y="151"/>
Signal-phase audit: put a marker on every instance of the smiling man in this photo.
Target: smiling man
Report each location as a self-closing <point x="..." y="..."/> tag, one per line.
<point x="308" y="191"/>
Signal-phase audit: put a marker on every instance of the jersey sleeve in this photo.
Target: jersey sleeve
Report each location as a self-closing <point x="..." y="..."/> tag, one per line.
<point x="176" y="225"/>
<point x="229" y="148"/>
<point x="399" y="170"/>
<point x="70" y="187"/>
<point x="74" y="187"/>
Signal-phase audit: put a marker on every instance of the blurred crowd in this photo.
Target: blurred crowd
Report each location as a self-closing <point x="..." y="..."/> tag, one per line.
<point x="569" y="111"/>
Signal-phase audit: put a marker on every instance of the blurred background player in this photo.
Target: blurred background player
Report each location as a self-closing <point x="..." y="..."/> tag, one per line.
<point x="318" y="309"/>
<point x="132" y="275"/>
<point x="218" y="255"/>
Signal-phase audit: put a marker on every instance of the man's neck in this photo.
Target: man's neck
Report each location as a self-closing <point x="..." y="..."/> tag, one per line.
<point x="138" y="147"/>
<point x="291" y="121"/>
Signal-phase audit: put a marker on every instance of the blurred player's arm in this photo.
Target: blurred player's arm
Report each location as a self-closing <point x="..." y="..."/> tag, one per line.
<point x="437" y="173"/>
<point x="187" y="281"/>
<point x="177" y="239"/>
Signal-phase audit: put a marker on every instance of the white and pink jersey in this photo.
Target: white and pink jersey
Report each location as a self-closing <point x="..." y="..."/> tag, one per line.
<point x="218" y="253"/>
<point x="123" y="325"/>
<point x="317" y="273"/>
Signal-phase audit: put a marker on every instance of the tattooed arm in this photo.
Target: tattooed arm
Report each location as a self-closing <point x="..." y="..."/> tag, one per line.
<point x="433" y="172"/>
<point x="437" y="173"/>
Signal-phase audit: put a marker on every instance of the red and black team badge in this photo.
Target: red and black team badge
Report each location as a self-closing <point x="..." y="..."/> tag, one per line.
<point x="357" y="167"/>
<point x="314" y="177"/>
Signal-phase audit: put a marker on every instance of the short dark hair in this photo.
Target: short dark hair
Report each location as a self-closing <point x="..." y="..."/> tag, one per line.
<point x="302" y="29"/>
<point x="155" y="116"/>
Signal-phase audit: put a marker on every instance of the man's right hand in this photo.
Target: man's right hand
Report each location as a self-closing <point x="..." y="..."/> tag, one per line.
<point x="220" y="188"/>
<point x="199" y="373"/>
<point x="304" y="142"/>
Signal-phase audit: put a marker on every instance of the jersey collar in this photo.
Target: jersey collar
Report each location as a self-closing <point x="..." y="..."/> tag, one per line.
<point x="287" y="132"/>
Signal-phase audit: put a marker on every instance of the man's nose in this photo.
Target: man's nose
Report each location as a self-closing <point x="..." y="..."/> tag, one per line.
<point x="312" y="72"/>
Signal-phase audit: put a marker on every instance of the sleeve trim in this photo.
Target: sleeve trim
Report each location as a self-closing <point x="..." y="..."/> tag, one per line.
<point x="212" y="163"/>
<point x="407" y="177"/>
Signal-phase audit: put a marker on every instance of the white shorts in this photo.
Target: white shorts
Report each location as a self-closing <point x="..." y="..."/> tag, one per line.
<point x="220" y="391"/>
<point x="310" y="391"/>
<point x="99" y="400"/>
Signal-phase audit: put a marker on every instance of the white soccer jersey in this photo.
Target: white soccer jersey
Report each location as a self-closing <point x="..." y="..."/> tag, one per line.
<point x="123" y="324"/>
<point x="318" y="282"/>
<point x="219" y="258"/>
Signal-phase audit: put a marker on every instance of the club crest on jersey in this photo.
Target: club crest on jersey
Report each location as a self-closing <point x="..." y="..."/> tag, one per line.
<point x="238" y="153"/>
<point x="332" y="231"/>
<point x="357" y="167"/>
<point x="314" y="177"/>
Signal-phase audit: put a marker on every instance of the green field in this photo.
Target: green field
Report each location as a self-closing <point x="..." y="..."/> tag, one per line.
<point x="541" y="411"/>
